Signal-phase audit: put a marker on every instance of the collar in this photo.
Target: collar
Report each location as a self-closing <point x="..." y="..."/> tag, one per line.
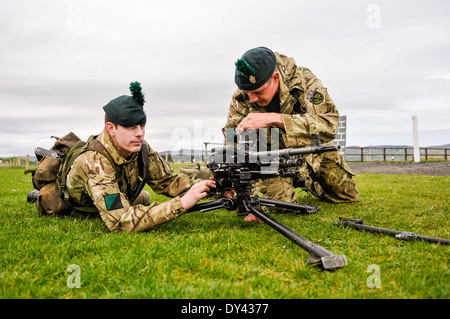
<point x="291" y="83"/>
<point x="111" y="148"/>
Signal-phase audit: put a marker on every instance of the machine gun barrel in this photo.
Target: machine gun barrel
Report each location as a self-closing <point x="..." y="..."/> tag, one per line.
<point x="295" y="151"/>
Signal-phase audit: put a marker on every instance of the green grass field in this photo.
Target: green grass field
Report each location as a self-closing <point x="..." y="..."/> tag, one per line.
<point x="217" y="255"/>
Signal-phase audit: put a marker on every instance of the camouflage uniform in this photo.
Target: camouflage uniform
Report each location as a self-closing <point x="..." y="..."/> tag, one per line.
<point x="305" y="108"/>
<point x="92" y="181"/>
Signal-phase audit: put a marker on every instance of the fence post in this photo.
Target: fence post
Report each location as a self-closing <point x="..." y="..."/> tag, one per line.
<point x="362" y="154"/>
<point x="416" y="139"/>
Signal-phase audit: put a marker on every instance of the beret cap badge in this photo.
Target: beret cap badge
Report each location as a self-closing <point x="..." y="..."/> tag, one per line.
<point x="254" y="68"/>
<point x="244" y="69"/>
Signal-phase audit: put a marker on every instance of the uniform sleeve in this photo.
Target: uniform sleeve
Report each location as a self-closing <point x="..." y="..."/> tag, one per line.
<point x="318" y="115"/>
<point x="164" y="181"/>
<point x="114" y="208"/>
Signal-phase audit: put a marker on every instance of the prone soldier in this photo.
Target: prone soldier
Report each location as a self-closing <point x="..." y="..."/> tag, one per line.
<point x="105" y="180"/>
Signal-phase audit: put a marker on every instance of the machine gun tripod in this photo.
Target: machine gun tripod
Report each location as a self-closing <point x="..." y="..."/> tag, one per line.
<point x="232" y="174"/>
<point x="319" y="256"/>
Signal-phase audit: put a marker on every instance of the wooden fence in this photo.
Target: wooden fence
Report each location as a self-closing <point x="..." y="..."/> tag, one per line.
<point x="16" y="161"/>
<point x="384" y="154"/>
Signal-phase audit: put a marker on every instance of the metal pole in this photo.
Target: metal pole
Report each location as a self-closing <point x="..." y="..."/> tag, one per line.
<point x="416" y="139"/>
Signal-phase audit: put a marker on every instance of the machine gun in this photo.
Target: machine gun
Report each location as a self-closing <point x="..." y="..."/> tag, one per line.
<point x="234" y="169"/>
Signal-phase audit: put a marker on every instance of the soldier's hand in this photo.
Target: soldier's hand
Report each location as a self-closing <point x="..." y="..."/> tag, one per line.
<point x="252" y="219"/>
<point x="228" y="194"/>
<point x="259" y="120"/>
<point x="197" y="192"/>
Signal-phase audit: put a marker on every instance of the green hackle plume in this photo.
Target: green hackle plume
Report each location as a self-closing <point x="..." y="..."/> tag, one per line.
<point x="136" y="93"/>
<point x="244" y="68"/>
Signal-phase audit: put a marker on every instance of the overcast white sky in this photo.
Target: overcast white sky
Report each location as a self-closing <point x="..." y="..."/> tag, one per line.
<point x="62" y="61"/>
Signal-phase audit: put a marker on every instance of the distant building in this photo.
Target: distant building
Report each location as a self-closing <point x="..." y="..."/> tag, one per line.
<point x="340" y="139"/>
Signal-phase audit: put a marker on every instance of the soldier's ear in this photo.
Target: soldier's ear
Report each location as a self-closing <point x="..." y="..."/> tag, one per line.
<point x="111" y="128"/>
<point x="276" y="76"/>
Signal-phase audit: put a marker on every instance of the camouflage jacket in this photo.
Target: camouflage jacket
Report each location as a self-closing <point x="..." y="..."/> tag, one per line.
<point x="305" y="106"/>
<point x="92" y="180"/>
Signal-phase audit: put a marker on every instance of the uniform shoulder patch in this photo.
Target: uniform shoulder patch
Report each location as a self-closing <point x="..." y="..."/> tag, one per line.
<point x="317" y="98"/>
<point x="113" y="201"/>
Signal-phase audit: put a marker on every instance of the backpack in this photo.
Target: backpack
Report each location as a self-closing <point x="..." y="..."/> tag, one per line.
<point x="49" y="177"/>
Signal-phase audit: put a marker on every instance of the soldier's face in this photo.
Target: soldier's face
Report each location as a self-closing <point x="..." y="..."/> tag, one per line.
<point x="265" y="93"/>
<point x="128" y="140"/>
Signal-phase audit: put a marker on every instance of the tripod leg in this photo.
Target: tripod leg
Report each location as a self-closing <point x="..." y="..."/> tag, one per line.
<point x="304" y="209"/>
<point x="318" y="254"/>
<point x="358" y="224"/>
<point x="227" y="203"/>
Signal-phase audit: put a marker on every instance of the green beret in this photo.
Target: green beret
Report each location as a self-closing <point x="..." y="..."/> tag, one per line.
<point x="127" y="110"/>
<point x="254" y="68"/>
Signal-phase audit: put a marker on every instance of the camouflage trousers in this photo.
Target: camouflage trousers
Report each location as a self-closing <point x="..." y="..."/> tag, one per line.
<point x="327" y="177"/>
